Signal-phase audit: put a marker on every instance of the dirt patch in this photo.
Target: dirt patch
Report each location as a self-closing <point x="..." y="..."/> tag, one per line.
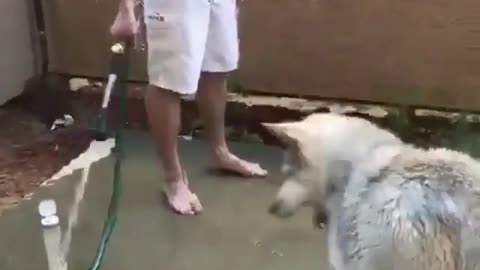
<point x="30" y="153"/>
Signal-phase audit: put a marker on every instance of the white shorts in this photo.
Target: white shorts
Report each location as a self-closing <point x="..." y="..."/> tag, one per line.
<point x="186" y="37"/>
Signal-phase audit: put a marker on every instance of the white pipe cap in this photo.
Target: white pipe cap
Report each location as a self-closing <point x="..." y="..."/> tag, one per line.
<point x="50" y="221"/>
<point x="47" y="208"/>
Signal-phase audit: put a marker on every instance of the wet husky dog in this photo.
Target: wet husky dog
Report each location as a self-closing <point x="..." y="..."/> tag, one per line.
<point x="387" y="205"/>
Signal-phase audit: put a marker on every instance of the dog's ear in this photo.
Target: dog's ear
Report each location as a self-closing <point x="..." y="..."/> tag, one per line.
<point x="290" y="133"/>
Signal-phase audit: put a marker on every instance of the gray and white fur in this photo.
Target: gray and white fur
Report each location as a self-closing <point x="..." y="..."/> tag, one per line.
<point x="387" y="205"/>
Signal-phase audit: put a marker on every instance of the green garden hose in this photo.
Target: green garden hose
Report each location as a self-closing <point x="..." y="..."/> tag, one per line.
<point x="118" y="67"/>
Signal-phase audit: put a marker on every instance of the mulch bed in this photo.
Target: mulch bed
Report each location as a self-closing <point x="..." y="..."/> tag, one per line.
<point x="30" y="153"/>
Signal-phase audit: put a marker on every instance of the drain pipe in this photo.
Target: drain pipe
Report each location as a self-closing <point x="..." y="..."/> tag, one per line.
<point x="42" y="35"/>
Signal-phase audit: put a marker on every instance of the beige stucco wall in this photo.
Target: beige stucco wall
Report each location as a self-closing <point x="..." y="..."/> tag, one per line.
<point x="16" y="52"/>
<point x="414" y="52"/>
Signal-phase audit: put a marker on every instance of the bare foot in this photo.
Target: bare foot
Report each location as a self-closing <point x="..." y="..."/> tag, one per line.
<point x="227" y="161"/>
<point x="181" y="199"/>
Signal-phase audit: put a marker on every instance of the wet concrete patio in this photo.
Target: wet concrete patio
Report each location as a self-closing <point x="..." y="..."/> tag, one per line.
<point x="234" y="232"/>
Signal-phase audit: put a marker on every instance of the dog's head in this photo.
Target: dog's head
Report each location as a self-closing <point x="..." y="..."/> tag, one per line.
<point x="305" y="176"/>
<point x="322" y="150"/>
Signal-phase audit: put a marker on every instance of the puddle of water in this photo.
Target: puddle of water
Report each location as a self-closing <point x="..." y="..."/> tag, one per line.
<point x="73" y="212"/>
<point x="96" y="151"/>
<point x="52" y="239"/>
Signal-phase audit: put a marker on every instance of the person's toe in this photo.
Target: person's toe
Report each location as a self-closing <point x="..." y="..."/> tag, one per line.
<point x="181" y="199"/>
<point x="182" y="207"/>
<point x="195" y="204"/>
<point x="256" y="170"/>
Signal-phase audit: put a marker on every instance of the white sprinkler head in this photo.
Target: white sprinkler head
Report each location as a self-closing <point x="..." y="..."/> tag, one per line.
<point x="48" y="210"/>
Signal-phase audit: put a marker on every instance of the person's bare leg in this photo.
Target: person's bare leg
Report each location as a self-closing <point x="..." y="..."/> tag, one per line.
<point x="211" y="98"/>
<point x="163" y="111"/>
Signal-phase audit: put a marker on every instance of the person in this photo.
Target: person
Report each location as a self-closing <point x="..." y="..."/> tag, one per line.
<point x="191" y="44"/>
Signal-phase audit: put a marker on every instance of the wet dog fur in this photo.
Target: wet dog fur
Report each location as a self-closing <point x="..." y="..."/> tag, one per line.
<point x="386" y="204"/>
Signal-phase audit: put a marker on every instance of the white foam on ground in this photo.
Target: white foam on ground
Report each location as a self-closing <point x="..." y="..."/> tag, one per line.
<point x="95" y="152"/>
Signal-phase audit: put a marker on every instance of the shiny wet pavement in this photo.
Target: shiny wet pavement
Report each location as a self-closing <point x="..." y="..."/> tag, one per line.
<point x="234" y="232"/>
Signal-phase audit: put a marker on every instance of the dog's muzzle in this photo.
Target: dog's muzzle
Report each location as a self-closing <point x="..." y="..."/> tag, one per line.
<point x="278" y="209"/>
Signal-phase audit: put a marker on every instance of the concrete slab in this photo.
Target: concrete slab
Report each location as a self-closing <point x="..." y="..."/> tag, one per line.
<point x="235" y="231"/>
